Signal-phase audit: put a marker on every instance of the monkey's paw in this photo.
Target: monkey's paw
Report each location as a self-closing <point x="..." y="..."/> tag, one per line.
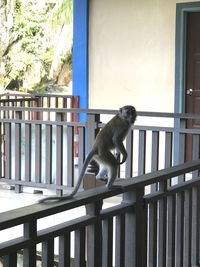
<point x="102" y="178"/>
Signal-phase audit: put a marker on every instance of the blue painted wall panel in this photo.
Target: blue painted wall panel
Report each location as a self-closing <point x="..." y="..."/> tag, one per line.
<point x="80" y="51"/>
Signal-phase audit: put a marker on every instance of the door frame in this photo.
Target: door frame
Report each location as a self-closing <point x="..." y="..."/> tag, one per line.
<point x="182" y="9"/>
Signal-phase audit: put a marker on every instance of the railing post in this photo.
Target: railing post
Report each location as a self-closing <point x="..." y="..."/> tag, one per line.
<point x="94" y="236"/>
<point x="92" y="131"/>
<point x="135" y="229"/>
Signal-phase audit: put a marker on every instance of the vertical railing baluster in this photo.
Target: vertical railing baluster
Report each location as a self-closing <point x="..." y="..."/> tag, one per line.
<point x="187" y="228"/>
<point x="64" y="250"/>
<point x="129" y="161"/>
<point x="195" y="230"/>
<point x="154" y="156"/>
<point x="162" y="224"/>
<point x="70" y="156"/>
<point x="195" y="151"/>
<point x="28" y="152"/>
<point x="155" y="151"/>
<point x="64" y="102"/>
<point x="38" y="152"/>
<point x="29" y="254"/>
<point x="162" y="228"/>
<point x="168" y="149"/>
<point x="59" y="152"/>
<point x="80" y="248"/>
<point x="48" y="253"/>
<point x="41" y="105"/>
<point x="10" y="260"/>
<point x="8" y="155"/>
<point x="18" y="151"/>
<point x="48" y="154"/>
<point x="81" y="148"/>
<point x="91" y="133"/>
<point x="92" y="120"/>
<point x="56" y="101"/>
<point x="142" y="152"/>
<point x="48" y="105"/>
<point x="182" y="137"/>
<point x="152" y="244"/>
<point x="120" y="240"/>
<point x="170" y="249"/>
<point x="179" y="229"/>
<point x="107" y="253"/>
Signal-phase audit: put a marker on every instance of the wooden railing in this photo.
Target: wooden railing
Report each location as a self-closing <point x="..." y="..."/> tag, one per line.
<point x="39" y="151"/>
<point x="38" y="100"/>
<point x="43" y="100"/>
<point x="145" y="229"/>
<point x="156" y="222"/>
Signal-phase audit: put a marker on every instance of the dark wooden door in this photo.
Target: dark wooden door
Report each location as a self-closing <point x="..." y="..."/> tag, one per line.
<point x="192" y="74"/>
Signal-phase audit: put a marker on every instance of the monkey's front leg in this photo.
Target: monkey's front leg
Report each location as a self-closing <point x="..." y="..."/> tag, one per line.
<point x="120" y="147"/>
<point x="112" y="168"/>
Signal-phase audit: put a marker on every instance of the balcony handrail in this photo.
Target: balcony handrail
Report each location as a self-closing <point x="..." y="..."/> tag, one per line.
<point x="144" y="217"/>
<point x="37" y="211"/>
<point x="102" y="111"/>
<point x="136" y="207"/>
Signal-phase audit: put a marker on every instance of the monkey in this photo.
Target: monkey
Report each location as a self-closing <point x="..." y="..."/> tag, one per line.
<point x="110" y="137"/>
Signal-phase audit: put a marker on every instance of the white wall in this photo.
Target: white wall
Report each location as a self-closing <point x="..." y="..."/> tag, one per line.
<point x="132" y="54"/>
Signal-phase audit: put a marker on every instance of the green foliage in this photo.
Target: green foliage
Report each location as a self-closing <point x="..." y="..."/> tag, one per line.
<point x="30" y="26"/>
<point x="36" y="24"/>
<point x="61" y="14"/>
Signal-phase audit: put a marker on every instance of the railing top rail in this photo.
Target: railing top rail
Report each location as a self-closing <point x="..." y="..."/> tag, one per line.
<point x="37" y="211"/>
<point x="53" y="95"/>
<point x="84" y="124"/>
<point x="13" y="100"/>
<point x="36" y="94"/>
<point x="103" y="111"/>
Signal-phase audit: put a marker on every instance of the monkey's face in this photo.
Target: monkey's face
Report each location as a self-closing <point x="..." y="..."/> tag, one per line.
<point x="128" y="113"/>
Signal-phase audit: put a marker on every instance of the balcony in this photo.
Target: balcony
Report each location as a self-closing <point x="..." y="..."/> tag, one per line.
<point x="152" y="219"/>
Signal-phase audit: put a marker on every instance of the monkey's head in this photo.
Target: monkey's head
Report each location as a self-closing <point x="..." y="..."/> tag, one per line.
<point x="128" y="113"/>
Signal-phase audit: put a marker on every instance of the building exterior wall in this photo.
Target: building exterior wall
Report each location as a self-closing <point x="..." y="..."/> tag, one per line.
<point x="132" y="54"/>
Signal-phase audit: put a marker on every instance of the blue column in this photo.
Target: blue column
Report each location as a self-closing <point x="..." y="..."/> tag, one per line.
<point x="80" y="51"/>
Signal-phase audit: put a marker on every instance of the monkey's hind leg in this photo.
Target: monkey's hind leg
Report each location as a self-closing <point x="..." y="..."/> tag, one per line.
<point x="111" y="165"/>
<point x="102" y="174"/>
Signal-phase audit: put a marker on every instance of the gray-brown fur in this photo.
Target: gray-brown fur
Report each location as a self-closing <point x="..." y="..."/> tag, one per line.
<point x="109" y="138"/>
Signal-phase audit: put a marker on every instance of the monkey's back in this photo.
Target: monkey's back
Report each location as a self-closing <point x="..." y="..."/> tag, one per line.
<point x="114" y="129"/>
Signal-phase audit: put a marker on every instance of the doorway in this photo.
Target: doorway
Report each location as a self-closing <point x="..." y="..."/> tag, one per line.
<point x="187" y="66"/>
<point x="192" y="104"/>
<point x="192" y="93"/>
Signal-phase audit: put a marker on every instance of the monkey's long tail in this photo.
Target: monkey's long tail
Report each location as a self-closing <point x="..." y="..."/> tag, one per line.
<point x="65" y="197"/>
